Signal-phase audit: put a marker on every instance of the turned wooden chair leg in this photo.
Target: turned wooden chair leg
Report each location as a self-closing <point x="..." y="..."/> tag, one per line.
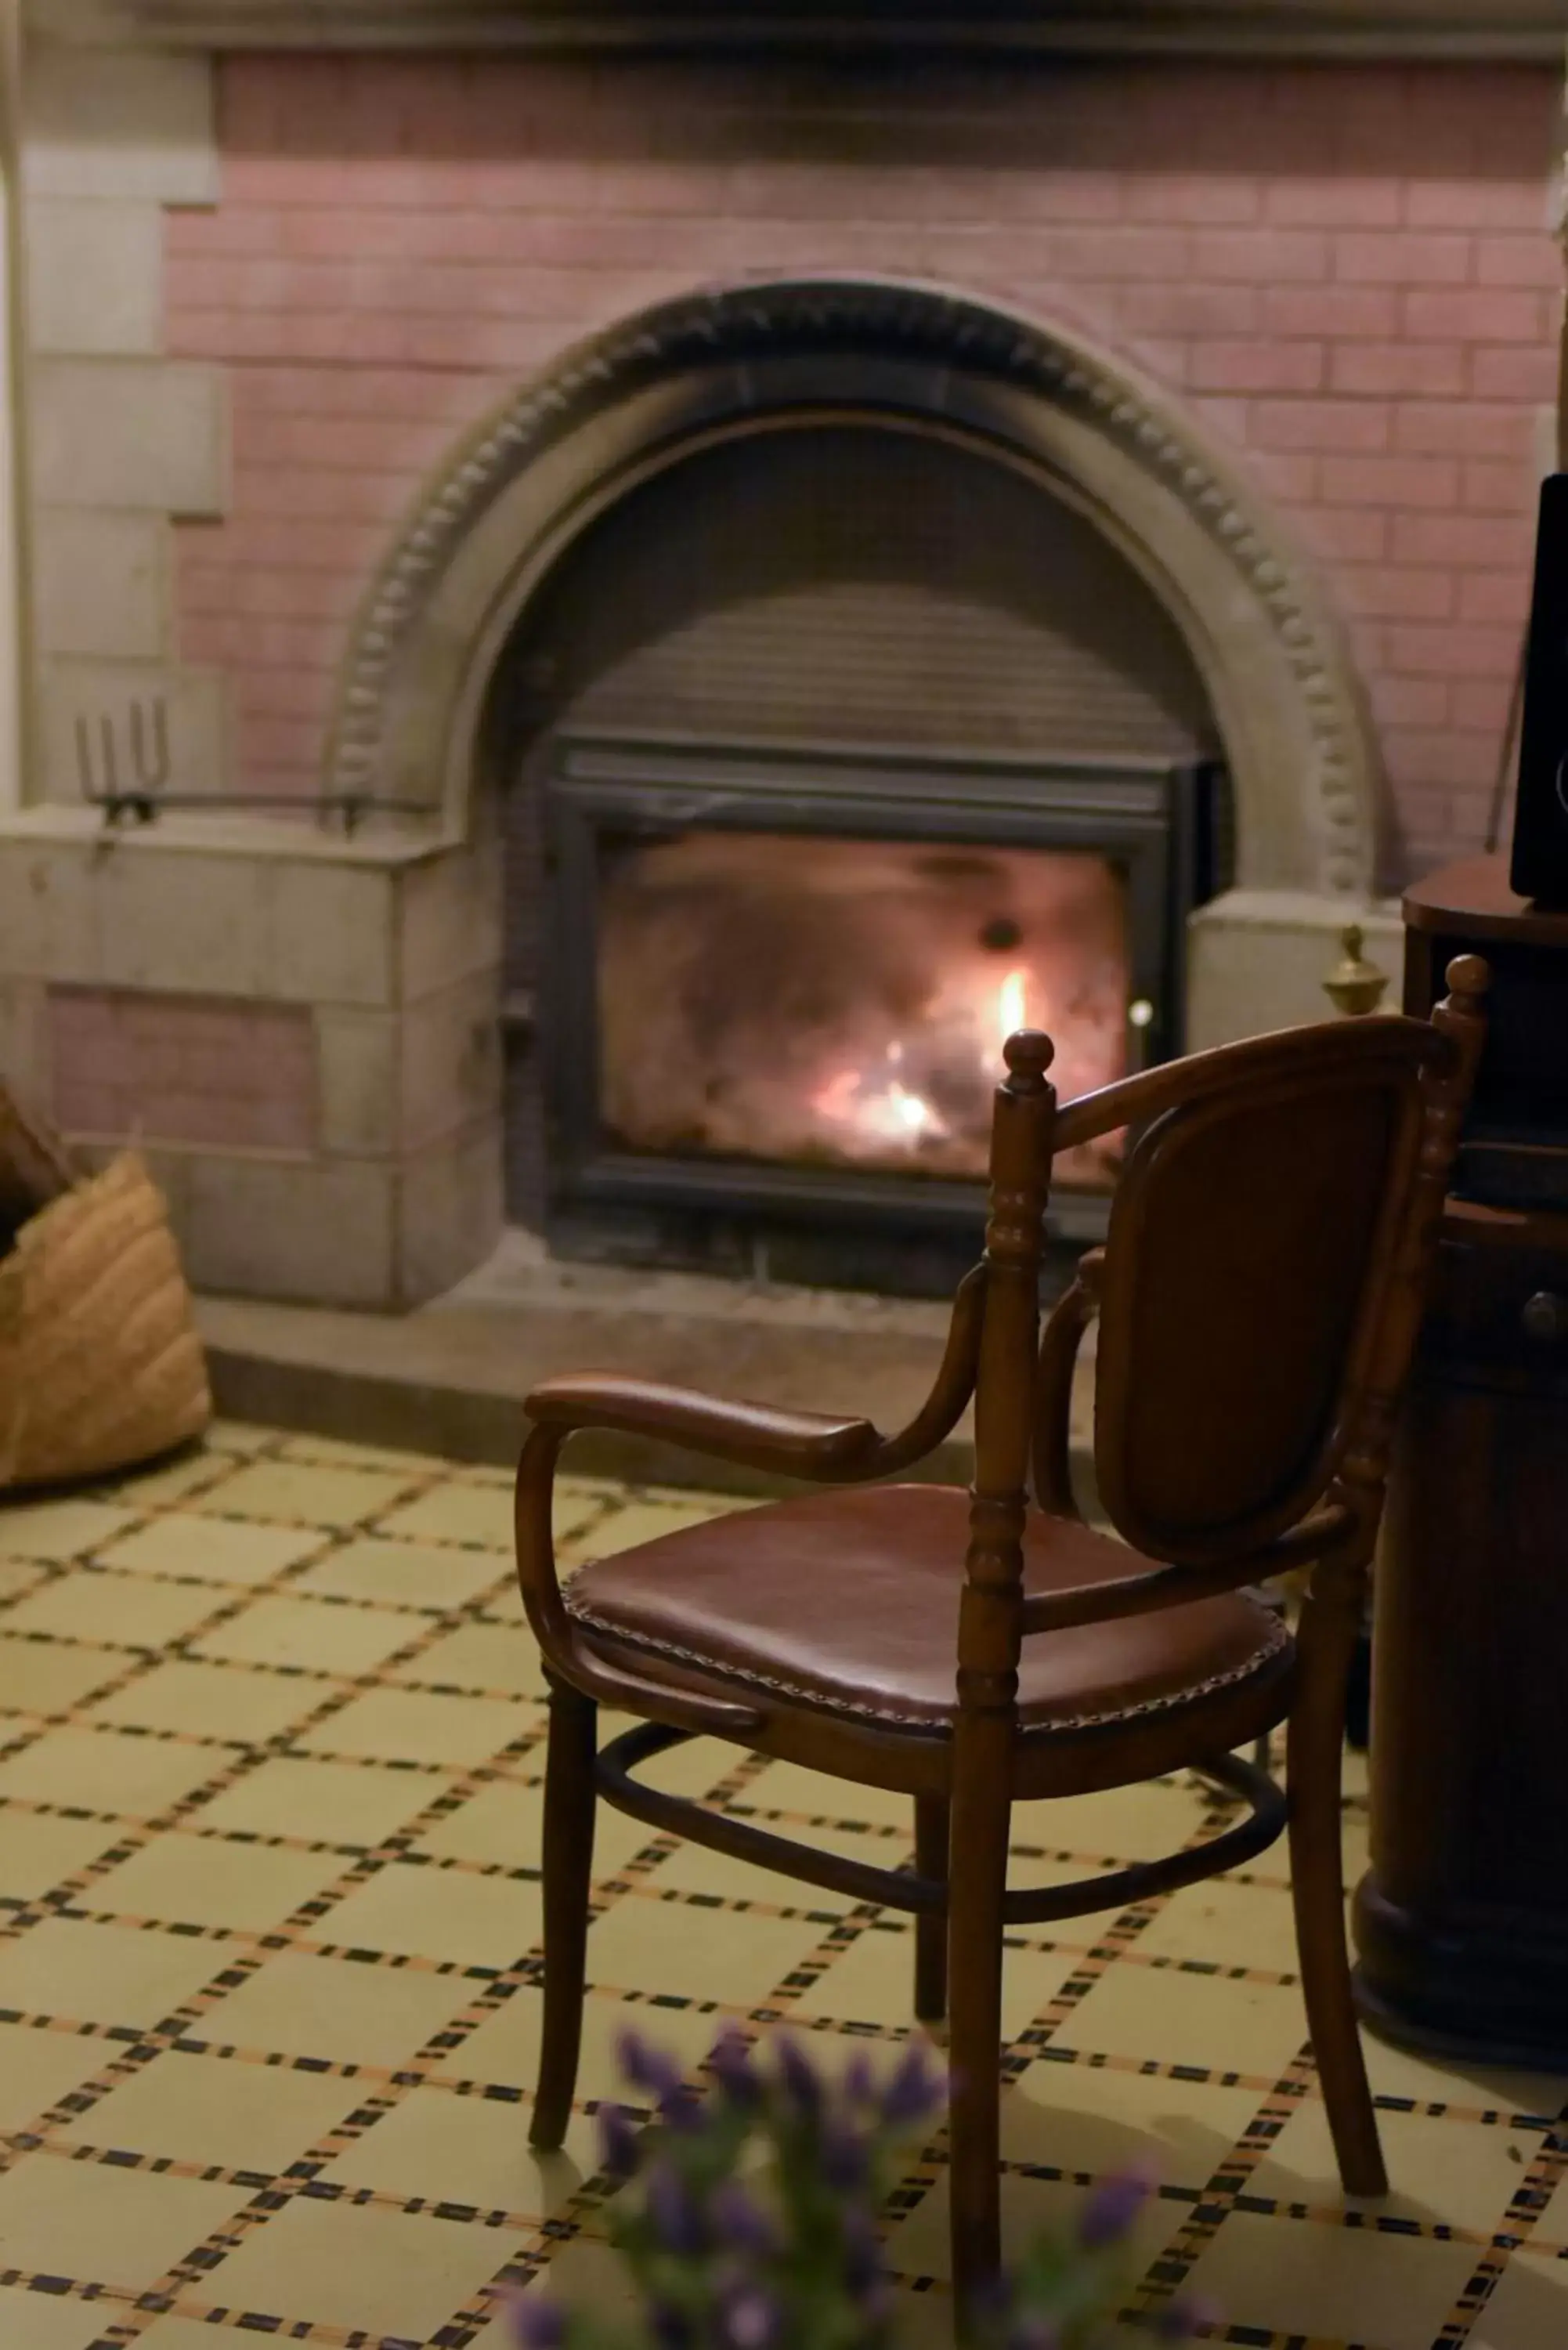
<point x="568" y="1858"/>
<point x="931" y="1927"/>
<point x="977" y="1882"/>
<point x="1327" y="1637"/>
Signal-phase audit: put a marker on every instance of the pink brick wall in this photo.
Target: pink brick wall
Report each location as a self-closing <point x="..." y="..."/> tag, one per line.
<point x="176" y="1068"/>
<point x="1347" y="271"/>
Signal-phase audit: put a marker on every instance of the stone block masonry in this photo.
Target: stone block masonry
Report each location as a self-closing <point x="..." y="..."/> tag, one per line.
<point x="1348" y="273"/>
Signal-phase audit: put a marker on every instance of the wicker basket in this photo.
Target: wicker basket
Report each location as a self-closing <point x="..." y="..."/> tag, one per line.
<point x="101" y="1366"/>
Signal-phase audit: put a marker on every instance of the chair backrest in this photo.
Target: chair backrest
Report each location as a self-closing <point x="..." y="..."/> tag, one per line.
<point x="1252" y="1257"/>
<point x="1260" y="1287"/>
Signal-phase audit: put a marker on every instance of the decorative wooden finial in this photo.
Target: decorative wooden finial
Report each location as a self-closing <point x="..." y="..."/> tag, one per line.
<point x="1028" y="1053"/>
<point x="1354" y="986"/>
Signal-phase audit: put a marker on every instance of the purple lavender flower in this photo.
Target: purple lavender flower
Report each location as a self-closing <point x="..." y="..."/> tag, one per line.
<point x="914" y="2089"/>
<point x="537" y="2322"/>
<point x="1111" y="2207"/>
<point x="862" y="2253"/>
<point x="859" y="2081"/>
<point x="1034" y="2332"/>
<point x="748" y="2319"/>
<point x="1185" y="2314"/>
<point x="617" y="2142"/>
<point x="740" y="2220"/>
<point x="799" y="2076"/>
<point x="647" y="2067"/>
<point x="731" y="2066"/>
<point x="670" y="2328"/>
<point x="842" y="2156"/>
<point x="674" y="2211"/>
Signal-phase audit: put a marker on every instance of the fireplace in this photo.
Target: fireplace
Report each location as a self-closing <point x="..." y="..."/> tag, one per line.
<point x="830" y="751"/>
<point x="779" y="980"/>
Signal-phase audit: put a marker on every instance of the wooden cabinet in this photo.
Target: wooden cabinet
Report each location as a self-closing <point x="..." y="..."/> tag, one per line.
<point x="1461" y="1921"/>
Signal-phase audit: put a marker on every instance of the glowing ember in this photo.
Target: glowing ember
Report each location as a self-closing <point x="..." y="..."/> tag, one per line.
<point x="878" y="1107"/>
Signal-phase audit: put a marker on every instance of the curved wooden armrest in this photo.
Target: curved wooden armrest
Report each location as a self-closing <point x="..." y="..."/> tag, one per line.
<point x="799" y="1443"/>
<point x="566" y="1653"/>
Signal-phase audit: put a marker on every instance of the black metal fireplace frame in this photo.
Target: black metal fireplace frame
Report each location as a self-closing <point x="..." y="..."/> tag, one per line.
<point x="1155" y="818"/>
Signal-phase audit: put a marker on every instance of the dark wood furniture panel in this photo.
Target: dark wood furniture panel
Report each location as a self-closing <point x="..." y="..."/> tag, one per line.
<point x="1462" y="1920"/>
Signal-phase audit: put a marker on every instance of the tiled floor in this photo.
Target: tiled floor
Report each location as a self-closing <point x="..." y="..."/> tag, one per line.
<point x="269" y="1770"/>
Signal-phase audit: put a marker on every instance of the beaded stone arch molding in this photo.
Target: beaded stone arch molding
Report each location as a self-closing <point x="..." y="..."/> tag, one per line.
<point x="1302" y="758"/>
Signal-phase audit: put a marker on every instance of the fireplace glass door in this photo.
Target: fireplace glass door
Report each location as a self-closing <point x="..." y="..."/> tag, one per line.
<point x="829" y="1002"/>
<point x="777" y="981"/>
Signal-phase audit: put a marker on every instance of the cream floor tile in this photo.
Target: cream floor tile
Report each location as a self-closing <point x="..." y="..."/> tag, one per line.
<point x="241" y="1438"/>
<point x="1124" y="1824"/>
<point x="477" y="1921"/>
<point x="917" y="2246"/>
<point x="1221" y="1923"/>
<point x="47" y="2321"/>
<point x="698" y="1868"/>
<point x="402" y="1574"/>
<point x="103" y="1974"/>
<point x="156" y="1488"/>
<point x="58" y="1529"/>
<point x="126" y="1610"/>
<point x="38" y="1849"/>
<point x="1184" y="2019"/>
<point x="1462" y="2174"/>
<point x="370" y="2270"/>
<point x="645" y="1521"/>
<point x="463" y="1513"/>
<point x="694" y="1952"/>
<point x="505" y="2047"/>
<point x="345" y="2009"/>
<point x="318" y="1636"/>
<point x="94" y="2223"/>
<point x="499" y="1825"/>
<point x="1471" y="2088"/>
<point x="1529" y="2309"/>
<point x="291" y="1493"/>
<point x="417" y="1726"/>
<point x="107" y="1771"/>
<point x="202" y="1881"/>
<point x="490" y="1657"/>
<point x="38" y="2068"/>
<point x="355" y="1804"/>
<point x="473" y="2151"/>
<point x="43" y="1676"/>
<point x="219" y="2111"/>
<point x="871" y="1980"/>
<point x="19" y="1575"/>
<point x="211" y="1549"/>
<point x="1551" y="2227"/>
<point x="813" y="1795"/>
<point x="1092" y="2118"/>
<point x="202" y="1700"/>
<point x="1332" y="2283"/>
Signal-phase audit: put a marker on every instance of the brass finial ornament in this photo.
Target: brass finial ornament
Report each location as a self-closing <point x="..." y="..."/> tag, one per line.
<point x="1354" y="986"/>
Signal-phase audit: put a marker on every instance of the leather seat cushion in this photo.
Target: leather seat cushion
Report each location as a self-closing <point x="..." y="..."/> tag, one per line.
<point x="849" y="1601"/>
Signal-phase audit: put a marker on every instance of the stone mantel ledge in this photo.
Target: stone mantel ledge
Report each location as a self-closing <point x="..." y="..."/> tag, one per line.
<point x="1521" y="29"/>
<point x="384" y="843"/>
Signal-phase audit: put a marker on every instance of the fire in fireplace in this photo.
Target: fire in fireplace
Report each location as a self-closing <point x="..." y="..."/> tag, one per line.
<point x="780" y="978"/>
<point x="824" y="1003"/>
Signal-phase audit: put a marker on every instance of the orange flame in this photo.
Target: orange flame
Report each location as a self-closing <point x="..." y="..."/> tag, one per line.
<point x="1011" y="1003"/>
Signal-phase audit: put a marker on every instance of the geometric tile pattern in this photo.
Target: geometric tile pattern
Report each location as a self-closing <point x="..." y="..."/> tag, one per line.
<point x="270" y="1756"/>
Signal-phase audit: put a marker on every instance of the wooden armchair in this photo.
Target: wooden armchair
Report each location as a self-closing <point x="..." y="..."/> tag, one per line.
<point x="1258" y="1293"/>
